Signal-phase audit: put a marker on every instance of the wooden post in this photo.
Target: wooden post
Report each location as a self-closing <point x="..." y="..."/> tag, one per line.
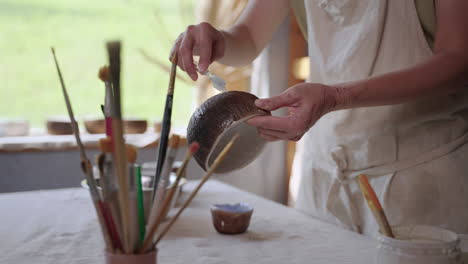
<point x="297" y="50"/>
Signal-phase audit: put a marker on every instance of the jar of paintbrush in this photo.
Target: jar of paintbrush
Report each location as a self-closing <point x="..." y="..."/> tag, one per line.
<point x="118" y="205"/>
<point x="143" y="209"/>
<point x="419" y="244"/>
<point x="129" y="236"/>
<point x="148" y="258"/>
<point x="410" y="244"/>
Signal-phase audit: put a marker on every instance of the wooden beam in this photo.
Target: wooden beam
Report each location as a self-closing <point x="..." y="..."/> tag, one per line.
<point x="297" y="50"/>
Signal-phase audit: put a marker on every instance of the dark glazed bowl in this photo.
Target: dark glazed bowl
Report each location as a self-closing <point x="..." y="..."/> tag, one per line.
<point x="59" y="126"/>
<point x="95" y="126"/>
<point x="231" y="218"/>
<point x="130" y="126"/>
<point x="216" y="121"/>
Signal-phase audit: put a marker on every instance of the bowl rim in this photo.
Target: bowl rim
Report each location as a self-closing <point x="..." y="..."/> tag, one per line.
<point x="218" y="138"/>
<point x="229" y="207"/>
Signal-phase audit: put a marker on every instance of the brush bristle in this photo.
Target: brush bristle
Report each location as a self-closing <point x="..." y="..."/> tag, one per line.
<point x="114" y="45"/>
<point x="174" y="141"/>
<point x="104" y="74"/>
<point x="194" y="146"/>
<point x="113" y="52"/>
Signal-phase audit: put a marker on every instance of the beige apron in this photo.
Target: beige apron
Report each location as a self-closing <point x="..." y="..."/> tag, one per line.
<point x="415" y="154"/>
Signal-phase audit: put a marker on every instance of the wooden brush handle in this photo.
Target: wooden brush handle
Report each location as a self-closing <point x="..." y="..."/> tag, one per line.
<point x="174" y="59"/>
<point x="374" y="205"/>
<point x="105" y="145"/>
<point x="205" y="178"/>
<point x="165" y="206"/>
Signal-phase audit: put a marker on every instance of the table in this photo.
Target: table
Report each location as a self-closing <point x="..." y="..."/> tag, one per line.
<point x="59" y="226"/>
<point x="68" y="142"/>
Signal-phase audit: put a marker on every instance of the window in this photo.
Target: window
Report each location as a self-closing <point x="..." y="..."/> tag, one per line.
<point x="78" y="30"/>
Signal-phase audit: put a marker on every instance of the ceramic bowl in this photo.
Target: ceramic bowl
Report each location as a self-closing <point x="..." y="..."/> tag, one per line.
<point x="135" y="126"/>
<point x="59" y="126"/>
<point x="216" y="121"/>
<point x="95" y="126"/>
<point x="231" y="218"/>
<point x="157" y="126"/>
<point x="14" y="127"/>
<point x="130" y="126"/>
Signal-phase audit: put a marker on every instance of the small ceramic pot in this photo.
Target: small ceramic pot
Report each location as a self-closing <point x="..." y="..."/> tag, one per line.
<point x="231" y="218"/>
<point x="130" y="126"/>
<point x="216" y="121"/>
<point x="135" y="126"/>
<point x="157" y="126"/>
<point x="148" y="258"/>
<point x="95" y="126"/>
<point x="59" y="126"/>
<point x="14" y="127"/>
<point x="419" y="244"/>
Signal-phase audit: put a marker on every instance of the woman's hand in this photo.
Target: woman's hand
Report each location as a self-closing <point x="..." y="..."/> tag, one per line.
<point x="202" y="40"/>
<point x="306" y="103"/>
<point x="235" y="46"/>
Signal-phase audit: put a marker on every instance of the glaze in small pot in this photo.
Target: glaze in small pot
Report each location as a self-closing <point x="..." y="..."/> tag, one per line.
<point x="216" y="121"/>
<point x="231" y="218"/>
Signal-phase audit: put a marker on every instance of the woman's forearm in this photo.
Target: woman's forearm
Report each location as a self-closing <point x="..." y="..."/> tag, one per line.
<point x="253" y="30"/>
<point x="442" y="74"/>
<point x="239" y="47"/>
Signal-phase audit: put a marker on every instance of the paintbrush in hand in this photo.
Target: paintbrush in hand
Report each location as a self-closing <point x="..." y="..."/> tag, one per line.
<point x="166" y="126"/>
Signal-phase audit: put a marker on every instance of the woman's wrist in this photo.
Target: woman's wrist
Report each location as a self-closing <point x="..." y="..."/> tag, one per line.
<point x="339" y="97"/>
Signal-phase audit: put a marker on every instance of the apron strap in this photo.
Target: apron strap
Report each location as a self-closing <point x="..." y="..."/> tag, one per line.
<point x="404" y="164"/>
<point x="343" y="178"/>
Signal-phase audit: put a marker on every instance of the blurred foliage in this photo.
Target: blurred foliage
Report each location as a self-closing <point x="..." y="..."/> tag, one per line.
<point x="78" y="30"/>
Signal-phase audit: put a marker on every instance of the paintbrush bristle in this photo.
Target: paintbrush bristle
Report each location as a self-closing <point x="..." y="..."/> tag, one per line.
<point x="114" y="46"/>
<point x="113" y="50"/>
<point x="104" y="74"/>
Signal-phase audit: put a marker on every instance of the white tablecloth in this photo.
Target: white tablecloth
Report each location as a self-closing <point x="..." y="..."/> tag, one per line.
<point x="59" y="226"/>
